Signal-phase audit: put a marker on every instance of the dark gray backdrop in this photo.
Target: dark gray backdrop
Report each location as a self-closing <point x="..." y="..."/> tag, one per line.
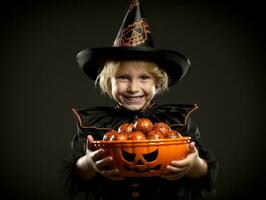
<point x="40" y="83"/>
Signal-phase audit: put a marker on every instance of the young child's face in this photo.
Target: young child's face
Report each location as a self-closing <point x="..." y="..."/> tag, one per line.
<point x="132" y="86"/>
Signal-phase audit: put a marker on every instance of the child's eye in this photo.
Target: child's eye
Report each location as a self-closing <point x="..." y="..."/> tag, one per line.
<point x="144" y="77"/>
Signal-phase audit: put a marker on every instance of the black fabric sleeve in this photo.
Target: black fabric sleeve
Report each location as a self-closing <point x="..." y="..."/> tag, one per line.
<point x="73" y="186"/>
<point x="203" y="188"/>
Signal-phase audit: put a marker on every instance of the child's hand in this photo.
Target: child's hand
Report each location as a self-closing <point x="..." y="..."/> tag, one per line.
<point x="99" y="163"/>
<point x="192" y="166"/>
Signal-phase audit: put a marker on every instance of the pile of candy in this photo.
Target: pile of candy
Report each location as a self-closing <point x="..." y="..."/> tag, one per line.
<point x="142" y="129"/>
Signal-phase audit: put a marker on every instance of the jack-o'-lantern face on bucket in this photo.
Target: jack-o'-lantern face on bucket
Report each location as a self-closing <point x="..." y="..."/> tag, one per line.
<point x="144" y="158"/>
<point x="141" y="162"/>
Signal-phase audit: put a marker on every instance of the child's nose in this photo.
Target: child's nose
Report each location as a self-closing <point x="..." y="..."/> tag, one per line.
<point x="133" y="86"/>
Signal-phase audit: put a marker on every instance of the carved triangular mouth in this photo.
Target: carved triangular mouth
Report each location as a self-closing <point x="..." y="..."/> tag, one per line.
<point x="156" y="168"/>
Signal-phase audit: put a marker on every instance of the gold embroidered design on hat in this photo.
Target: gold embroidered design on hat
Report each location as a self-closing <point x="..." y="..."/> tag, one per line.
<point x="134" y="34"/>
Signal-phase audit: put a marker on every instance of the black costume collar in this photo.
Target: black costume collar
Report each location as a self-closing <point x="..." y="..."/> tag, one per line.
<point x="113" y="117"/>
<point x="137" y="114"/>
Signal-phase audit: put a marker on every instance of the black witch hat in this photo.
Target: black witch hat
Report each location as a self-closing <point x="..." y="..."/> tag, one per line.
<point x="134" y="42"/>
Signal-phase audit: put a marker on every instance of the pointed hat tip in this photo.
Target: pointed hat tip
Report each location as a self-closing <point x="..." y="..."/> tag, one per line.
<point x="135" y="30"/>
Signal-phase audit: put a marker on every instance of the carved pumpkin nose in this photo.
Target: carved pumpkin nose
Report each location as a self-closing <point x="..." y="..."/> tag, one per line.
<point x="139" y="162"/>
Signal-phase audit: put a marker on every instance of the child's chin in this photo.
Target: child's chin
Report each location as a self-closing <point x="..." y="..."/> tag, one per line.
<point x="134" y="107"/>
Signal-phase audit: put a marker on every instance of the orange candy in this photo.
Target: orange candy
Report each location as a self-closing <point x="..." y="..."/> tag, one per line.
<point x="108" y="135"/>
<point x="163" y="127"/>
<point x="126" y="128"/>
<point x="155" y="135"/>
<point x="137" y="135"/>
<point x="173" y="134"/>
<point x="144" y="125"/>
<point x="119" y="137"/>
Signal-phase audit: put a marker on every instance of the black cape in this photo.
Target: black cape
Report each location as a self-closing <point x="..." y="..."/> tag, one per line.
<point x="96" y="121"/>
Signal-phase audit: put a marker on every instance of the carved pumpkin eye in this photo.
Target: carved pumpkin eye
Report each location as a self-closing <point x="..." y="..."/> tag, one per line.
<point x="130" y="157"/>
<point x="151" y="156"/>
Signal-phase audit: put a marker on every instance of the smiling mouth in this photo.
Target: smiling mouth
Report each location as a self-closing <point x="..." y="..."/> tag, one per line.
<point x="134" y="99"/>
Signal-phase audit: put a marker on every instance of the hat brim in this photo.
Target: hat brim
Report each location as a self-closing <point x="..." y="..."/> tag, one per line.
<point x="175" y="64"/>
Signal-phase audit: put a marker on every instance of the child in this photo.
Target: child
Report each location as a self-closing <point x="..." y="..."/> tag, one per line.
<point x="132" y="72"/>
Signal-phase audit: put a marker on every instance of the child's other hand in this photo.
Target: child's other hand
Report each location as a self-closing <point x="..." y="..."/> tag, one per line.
<point x="192" y="166"/>
<point x="99" y="163"/>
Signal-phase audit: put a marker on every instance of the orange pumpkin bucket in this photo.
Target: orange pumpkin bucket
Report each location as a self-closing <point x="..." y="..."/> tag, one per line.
<point x="143" y="158"/>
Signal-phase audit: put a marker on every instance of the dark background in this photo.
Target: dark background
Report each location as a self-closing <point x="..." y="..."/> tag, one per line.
<point x="41" y="82"/>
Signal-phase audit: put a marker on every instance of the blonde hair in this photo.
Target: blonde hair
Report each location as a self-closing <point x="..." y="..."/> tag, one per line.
<point x="111" y="67"/>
